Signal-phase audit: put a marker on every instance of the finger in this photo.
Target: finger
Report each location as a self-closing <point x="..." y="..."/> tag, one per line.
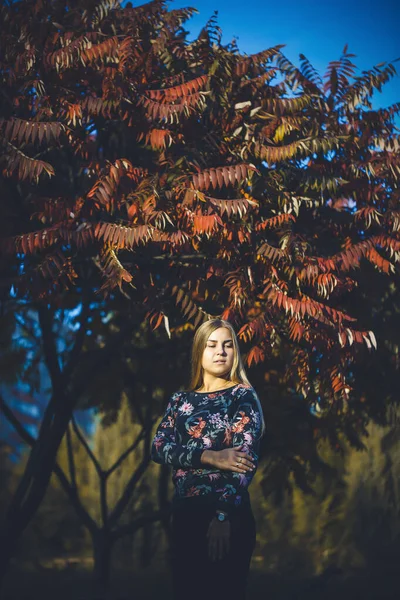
<point x="248" y="461"/>
<point x="247" y="466"/>
<point x="237" y="469"/>
<point x="211" y="549"/>
<point x="224" y="547"/>
<point x="219" y="548"/>
<point x="245" y="456"/>
<point x="240" y="468"/>
<point x="227" y="543"/>
<point x="215" y="550"/>
<point x="243" y="453"/>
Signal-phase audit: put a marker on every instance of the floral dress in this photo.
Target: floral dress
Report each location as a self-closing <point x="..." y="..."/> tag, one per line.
<point x="198" y="421"/>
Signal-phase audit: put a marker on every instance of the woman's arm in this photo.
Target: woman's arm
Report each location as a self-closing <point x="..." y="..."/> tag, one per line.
<point x="246" y="428"/>
<point x="165" y="450"/>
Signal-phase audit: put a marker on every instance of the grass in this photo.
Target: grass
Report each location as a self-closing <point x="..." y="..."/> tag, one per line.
<point x="147" y="585"/>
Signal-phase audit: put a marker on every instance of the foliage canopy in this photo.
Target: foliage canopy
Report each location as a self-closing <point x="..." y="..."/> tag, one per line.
<point x="189" y="175"/>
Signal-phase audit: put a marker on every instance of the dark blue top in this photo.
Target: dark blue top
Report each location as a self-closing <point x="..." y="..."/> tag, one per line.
<point x="198" y="421"/>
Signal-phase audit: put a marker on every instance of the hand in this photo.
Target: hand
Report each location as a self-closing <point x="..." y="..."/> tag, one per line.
<point x="227" y="459"/>
<point x="218" y="535"/>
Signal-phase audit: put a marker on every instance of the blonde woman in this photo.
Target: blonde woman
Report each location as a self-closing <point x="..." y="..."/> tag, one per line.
<point x="210" y="435"/>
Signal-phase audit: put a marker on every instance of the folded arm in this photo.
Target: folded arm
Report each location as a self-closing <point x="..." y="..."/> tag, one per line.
<point x="246" y="429"/>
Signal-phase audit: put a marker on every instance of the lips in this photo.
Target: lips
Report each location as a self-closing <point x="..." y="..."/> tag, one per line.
<point x="221" y="362"/>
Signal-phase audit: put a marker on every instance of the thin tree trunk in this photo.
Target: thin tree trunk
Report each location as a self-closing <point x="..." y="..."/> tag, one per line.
<point x="34" y="483"/>
<point x="102" y="549"/>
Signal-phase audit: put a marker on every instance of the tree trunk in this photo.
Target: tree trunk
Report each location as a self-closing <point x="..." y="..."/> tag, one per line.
<point x="102" y="548"/>
<point x="42" y="459"/>
<point x="34" y="482"/>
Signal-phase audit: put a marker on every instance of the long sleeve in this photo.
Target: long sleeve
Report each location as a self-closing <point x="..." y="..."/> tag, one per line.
<point x="165" y="449"/>
<point x="246" y="430"/>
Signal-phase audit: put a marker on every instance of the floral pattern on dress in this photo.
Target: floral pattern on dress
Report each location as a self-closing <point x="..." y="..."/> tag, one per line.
<point x="186" y="408"/>
<point x="194" y="422"/>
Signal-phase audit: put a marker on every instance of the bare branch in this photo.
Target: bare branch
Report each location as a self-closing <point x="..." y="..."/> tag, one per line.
<point x="137" y="475"/>
<point x="69" y="490"/>
<point x="49" y="346"/>
<point x="127" y="493"/>
<point x="84" y="443"/>
<point x="71" y="461"/>
<point x="126" y="453"/>
<point x="80" y="338"/>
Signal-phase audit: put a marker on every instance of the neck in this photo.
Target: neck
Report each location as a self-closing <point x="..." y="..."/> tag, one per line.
<point x="213" y="384"/>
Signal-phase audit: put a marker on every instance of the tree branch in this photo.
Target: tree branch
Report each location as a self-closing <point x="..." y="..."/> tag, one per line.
<point x="80" y="338"/>
<point x="71" y="461"/>
<point x="49" y="346"/>
<point x="138" y="474"/>
<point x="81" y="438"/>
<point x="125" y="454"/>
<point x="69" y="490"/>
<point x="127" y="493"/>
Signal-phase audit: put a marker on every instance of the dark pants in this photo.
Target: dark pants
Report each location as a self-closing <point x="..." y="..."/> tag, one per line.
<point x="194" y="575"/>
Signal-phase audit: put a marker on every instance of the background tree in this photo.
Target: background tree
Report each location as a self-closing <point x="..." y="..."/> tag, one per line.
<point x="104" y="480"/>
<point x="99" y="488"/>
<point x="68" y="386"/>
<point x="314" y="167"/>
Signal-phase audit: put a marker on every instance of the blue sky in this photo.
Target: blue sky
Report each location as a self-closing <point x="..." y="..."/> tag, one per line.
<point x="317" y="28"/>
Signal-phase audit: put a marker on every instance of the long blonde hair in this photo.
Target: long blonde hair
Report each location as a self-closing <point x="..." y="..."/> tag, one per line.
<point x="237" y="373"/>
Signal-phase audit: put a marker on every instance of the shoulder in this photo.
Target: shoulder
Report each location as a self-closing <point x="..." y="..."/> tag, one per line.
<point x="245" y="393"/>
<point x="177" y="397"/>
<point x="243" y="389"/>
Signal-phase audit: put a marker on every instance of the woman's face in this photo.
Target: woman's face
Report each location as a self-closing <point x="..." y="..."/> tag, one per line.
<point x="218" y="354"/>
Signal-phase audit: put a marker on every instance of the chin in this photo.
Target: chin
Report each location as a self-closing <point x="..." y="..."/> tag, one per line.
<point x="222" y="372"/>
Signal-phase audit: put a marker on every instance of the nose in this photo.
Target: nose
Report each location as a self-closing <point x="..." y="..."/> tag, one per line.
<point x="221" y="350"/>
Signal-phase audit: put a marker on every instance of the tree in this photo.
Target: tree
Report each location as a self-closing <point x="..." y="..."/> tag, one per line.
<point x="113" y="478"/>
<point x="69" y="384"/>
<point x="129" y="400"/>
<point x="144" y="129"/>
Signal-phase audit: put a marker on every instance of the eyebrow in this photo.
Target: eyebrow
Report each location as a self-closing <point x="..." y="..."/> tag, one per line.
<point x="216" y="341"/>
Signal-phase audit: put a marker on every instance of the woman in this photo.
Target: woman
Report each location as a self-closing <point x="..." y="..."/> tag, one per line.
<point x="210" y="434"/>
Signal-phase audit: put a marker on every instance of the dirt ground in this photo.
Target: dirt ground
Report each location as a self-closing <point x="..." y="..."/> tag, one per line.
<point x="76" y="584"/>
